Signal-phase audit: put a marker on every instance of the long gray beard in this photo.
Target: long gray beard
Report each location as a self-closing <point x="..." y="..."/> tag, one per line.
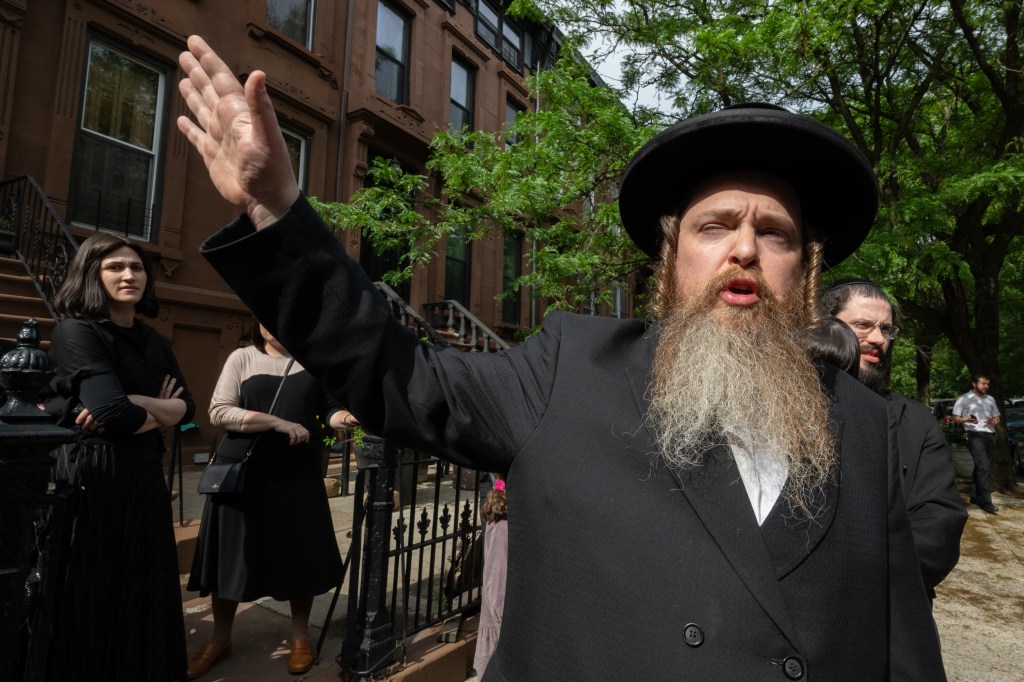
<point x="740" y="373"/>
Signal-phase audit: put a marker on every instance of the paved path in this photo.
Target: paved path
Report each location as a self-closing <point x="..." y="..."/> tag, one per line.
<point x="980" y="607"/>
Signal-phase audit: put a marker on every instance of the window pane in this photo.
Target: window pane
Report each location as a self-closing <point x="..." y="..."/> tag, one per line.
<point x="461" y="97"/>
<point x="392" y="53"/>
<point x="460" y="118"/>
<point x="121" y="98"/>
<point x="297" y="145"/>
<point x="512" y="269"/>
<point x="487" y="23"/>
<point x="390" y="32"/>
<point x="511" y="44"/>
<point x="460" y="84"/>
<point x="390" y="79"/>
<point x="110" y="187"/>
<point x="456" y="271"/>
<point x="292" y="18"/>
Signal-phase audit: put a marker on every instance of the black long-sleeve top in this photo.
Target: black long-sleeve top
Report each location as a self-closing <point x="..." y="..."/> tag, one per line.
<point x="98" y="364"/>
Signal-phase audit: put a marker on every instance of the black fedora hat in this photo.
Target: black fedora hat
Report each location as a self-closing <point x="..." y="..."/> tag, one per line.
<point x="834" y="182"/>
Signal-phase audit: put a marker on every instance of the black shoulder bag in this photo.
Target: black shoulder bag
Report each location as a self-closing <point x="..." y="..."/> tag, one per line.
<point x="228" y="478"/>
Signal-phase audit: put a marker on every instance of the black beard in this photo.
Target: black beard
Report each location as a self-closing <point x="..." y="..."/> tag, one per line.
<point x="876" y="377"/>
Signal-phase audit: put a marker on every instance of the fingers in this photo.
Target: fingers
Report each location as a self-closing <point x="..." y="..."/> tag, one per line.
<point x="296" y="433"/>
<point x="168" y="390"/>
<point x="85" y="420"/>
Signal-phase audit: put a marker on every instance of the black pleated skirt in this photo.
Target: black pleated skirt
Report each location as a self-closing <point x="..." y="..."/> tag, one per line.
<point x="275" y="539"/>
<point x="118" y="614"/>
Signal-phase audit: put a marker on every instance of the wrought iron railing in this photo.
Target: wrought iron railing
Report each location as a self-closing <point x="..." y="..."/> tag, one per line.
<point x="42" y="240"/>
<point x="415" y="520"/>
<point x="404" y="313"/>
<point x="469" y="332"/>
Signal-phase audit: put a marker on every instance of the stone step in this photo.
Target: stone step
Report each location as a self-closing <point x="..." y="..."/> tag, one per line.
<point x="23" y="306"/>
<point x="10" y="326"/>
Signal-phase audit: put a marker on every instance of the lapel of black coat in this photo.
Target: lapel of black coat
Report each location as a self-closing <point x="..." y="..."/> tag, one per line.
<point x="761" y="556"/>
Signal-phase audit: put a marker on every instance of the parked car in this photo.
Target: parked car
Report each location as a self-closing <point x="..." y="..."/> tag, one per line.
<point x="943" y="408"/>
<point x="1015" y="434"/>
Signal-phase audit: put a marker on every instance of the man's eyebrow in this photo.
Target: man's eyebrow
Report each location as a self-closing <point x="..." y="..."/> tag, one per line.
<point x="732" y="212"/>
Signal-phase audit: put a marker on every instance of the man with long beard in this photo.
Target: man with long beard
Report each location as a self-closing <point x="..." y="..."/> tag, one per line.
<point x="936" y="510"/>
<point x="738" y="525"/>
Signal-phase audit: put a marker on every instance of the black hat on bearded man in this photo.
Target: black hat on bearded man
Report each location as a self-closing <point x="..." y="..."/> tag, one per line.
<point x="835" y="184"/>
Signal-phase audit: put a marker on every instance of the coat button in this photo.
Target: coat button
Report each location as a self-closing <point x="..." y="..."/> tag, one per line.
<point x="793" y="667"/>
<point x="693" y="635"/>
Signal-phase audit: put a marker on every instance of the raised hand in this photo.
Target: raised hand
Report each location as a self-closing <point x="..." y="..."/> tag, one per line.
<point x="236" y="132"/>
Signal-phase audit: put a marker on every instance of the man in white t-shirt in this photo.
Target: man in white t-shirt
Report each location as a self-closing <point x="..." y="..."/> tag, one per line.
<point x="977" y="411"/>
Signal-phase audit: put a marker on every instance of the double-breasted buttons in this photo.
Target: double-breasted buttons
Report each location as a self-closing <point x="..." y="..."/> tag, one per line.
<point x="793" y="667"/>
<point x="693" y="635"/>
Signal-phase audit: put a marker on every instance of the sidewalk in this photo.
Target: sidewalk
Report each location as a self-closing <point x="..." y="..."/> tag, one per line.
<point x="979" y="608"/>
<point x="259" y="648"/>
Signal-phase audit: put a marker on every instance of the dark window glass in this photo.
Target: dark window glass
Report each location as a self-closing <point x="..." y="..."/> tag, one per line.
<point x="117" y="146"/>
<point x="487" y="24"/>
<point x="511" y="44"/>
<point x="392" y="59"/>
<point x="294" y="18"/>
<point x="375" y="263"/>
<point x="461" y="97"/>
<point x="298" y="148"/>
<point x="456" y="269"/>
<point x="511" y="109"/>
<point x="512" y="269"/>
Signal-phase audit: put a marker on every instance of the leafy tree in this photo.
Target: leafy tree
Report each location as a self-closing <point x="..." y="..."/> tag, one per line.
<point x="548" y="177"/>
<point x="929" y="90"/>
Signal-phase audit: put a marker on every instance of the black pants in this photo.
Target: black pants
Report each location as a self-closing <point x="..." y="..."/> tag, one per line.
<point x="981" y="447"/>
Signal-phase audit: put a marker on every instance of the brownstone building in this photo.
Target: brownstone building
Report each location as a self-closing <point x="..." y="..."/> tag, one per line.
<point x="88" y="102"/>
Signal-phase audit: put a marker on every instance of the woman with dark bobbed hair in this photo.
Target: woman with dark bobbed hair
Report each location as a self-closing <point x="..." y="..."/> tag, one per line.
<point x="118" y="614"/>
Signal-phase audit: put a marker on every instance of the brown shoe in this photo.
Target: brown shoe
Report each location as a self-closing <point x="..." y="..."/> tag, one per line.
<point x="301" y="658"/>
<point x="205" y="659"/>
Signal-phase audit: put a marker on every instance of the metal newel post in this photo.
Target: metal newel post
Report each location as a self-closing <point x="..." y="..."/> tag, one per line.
<point x="27" y="435"/>
<point x="370" y="644"/>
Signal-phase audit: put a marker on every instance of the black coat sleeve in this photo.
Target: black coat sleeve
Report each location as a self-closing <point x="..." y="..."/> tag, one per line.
<point x="936" y="510"/>
<point x="475" y="409"/>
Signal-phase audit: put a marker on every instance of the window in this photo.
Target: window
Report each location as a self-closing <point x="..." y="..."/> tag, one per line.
<point x="462" y="97"/>
<point x="495" y="29"/>
<point x="117" y="147"/>
<point x="294" y="18"/>
<point x="457" y="269"/>
<point x="511" y="44"/>
<point x="512" y="108"/>
<point x="487" y="23"/>
<point x="298" y="149"/>
<point x="392" y="63"/>
<point x="378" y="263"/>
<point x="511" y="270"/>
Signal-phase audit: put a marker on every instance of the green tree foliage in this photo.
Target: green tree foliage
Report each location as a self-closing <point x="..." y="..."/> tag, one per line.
<point x="551" y="177"/>
<point x="929" y="90"/>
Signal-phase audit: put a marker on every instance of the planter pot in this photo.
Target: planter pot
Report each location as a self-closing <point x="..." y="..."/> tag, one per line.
<point x="7" y="243"/>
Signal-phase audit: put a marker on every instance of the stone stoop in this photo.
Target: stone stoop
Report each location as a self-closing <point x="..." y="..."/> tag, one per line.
<point x="428" y="660"/>
<point x="185" y="536"/>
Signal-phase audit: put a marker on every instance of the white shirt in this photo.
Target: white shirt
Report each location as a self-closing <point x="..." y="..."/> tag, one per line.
<point x="764" y="474"/>
<point x="982" y="407"/>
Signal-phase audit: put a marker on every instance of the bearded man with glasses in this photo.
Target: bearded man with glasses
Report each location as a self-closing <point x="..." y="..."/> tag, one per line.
<point x="936" y="510"/>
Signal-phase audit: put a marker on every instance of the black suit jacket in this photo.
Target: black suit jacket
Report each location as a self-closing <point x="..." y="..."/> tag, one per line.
<point x="936" y="510"/>
<point x="619" y="569"/>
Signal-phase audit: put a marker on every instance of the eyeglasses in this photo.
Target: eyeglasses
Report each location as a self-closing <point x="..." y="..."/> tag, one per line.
<point x="864" y="328"/>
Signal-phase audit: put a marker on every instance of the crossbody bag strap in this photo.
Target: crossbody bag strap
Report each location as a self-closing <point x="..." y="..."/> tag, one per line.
<point x="273" y="403"/>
